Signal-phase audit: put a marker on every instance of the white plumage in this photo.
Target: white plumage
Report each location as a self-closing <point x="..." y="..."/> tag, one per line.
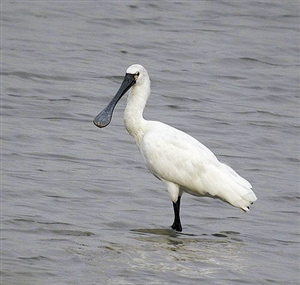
<point x="176" y="158"/>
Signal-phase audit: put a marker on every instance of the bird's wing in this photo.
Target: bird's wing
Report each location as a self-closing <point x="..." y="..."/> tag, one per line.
<point x="174" y="156"/>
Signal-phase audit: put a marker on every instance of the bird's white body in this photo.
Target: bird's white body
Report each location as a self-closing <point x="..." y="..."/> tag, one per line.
<point x="179" y="160"/>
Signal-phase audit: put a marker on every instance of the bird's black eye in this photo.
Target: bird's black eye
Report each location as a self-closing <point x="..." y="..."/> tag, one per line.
<point x="137" y="73"/>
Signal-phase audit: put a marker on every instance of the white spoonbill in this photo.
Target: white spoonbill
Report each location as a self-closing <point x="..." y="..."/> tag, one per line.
<point x="181" y="162"/>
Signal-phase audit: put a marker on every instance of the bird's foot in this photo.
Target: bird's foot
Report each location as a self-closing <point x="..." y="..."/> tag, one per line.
<point x="177" y="226"/>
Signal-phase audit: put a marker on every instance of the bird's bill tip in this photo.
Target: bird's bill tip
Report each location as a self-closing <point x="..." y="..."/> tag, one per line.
<point x="99" y="124"/>
<point x="102" y="119"/>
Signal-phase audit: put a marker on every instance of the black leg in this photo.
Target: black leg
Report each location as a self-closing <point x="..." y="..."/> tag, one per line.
<point x="177" y="224"/>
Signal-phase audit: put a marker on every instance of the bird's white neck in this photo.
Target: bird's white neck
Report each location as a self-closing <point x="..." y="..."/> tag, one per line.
<point x="133" y="116"/>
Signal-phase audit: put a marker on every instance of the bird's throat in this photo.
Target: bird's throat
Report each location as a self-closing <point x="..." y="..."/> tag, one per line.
<point x="133" y="116"/>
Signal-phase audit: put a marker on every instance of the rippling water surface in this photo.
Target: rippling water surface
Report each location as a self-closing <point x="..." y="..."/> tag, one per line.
<point x="77" y="204"/>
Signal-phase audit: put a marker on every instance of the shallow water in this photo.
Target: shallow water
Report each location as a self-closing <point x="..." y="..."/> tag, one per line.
<point x="77" y="204"/>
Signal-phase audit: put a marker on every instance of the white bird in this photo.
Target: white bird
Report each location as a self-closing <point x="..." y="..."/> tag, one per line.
<point x="181" y="162"/>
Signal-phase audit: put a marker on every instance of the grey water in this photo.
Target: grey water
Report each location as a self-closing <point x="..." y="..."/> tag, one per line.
<point x="78" y="206"/>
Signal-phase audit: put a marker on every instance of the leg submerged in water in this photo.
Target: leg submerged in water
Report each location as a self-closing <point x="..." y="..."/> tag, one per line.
<point x="177" y="224"/>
